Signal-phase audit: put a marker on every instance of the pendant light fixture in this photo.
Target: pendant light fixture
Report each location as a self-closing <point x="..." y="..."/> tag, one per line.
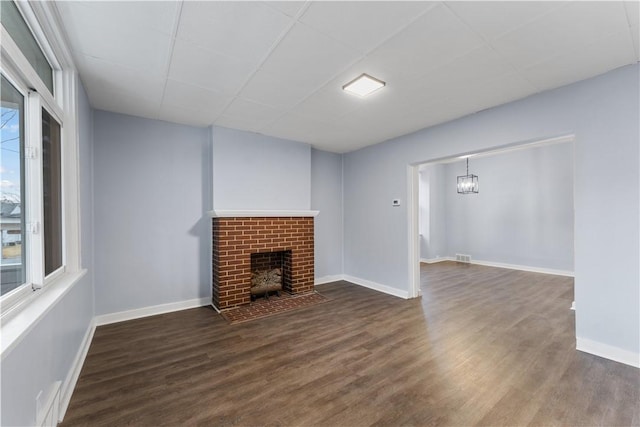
<point x="467" y="184"/>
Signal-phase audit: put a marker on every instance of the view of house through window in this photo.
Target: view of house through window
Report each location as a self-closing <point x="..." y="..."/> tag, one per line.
<point x="12" y="219"/>
<point x="52" y="193"/>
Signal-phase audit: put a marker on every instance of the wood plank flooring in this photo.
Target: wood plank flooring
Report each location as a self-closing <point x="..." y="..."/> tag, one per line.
<point x="482" y="346"/>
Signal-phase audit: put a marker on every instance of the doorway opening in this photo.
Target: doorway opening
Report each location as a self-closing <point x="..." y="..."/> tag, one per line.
<point x="521" y="218"/>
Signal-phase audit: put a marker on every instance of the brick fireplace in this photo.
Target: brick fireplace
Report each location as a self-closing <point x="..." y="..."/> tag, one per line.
<point x="239" y="235"/>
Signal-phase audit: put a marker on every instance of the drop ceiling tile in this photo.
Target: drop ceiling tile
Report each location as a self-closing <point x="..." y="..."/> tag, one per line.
<point x="122" y="102"/>
<point x="243" y="30"/>
<point x="271" y="89"/>
<point x="250" y="110"/>
<point x="178" y="94"/>
<point x="289" y="8"/>
<point x="362" y="25"/>
<point x="116" y="39"/>
<point x="377" y="132"/>
<point x="154" y="15"/>
<point x="561" y="31"/>
<point x="633" y="12"/>
<point x="400" y="122"/>
<point x="635" y="36"/>
<point x="307" y="58"/>
<point x="331" y="102"/>
<point x="490" y="93"/>
<point x="195" y="65"/>
<point x="584" y="62"/>
<point x="110" y="76"/>
<point x="468" y="70"/>
<point x="186" y="116"/>
<point x="492" y="19"/>
<point x="298" y="128"/>
<point x="240" y="123"/>
<point x="434" y="39"/>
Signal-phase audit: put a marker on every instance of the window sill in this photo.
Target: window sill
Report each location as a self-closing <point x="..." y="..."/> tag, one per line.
<point x="17" y="324"/>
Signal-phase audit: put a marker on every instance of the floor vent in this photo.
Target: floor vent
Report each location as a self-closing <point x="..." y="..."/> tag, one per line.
<point x="463" y="258"/>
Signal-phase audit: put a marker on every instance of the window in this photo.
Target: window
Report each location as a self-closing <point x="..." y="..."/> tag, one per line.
<point x="39" y="171"/>
<point x="52" y="193"/>
<point x="12" y="217"/>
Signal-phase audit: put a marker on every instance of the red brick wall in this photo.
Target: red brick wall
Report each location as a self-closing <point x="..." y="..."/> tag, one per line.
<point x="235" y="239"/>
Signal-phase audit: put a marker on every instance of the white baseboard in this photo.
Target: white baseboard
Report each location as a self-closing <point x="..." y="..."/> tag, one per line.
<point x="328" y="279"/>
<point x="72" y="377"/>
<point x="437" y="259"/>
<point x="524" y="268"/>
<point x="365" y="283"/>
<point x="566" y="273"/>
<point x="137" y="313"/>
<point x="377" y="286"/>
<point x="608" y="352"/>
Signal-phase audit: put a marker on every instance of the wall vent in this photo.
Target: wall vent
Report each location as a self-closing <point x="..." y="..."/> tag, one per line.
<point x="463" y="258"/>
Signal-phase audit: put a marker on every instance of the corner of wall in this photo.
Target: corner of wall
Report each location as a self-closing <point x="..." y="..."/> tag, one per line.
<point x="608" y="352"/>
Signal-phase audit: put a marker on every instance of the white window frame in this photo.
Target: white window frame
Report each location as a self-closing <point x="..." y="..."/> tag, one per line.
<point x="19" y="294"/>
<point x="41" y="18"/>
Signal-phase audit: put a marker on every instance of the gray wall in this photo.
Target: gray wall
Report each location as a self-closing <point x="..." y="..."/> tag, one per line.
<point x="603" y="113"/>
<point x="152" y="191"/>
<point x="258" y="172"/>
<point x="46" y="353"/>
<point x="523" y="214"/>
<point x="326" y="196"/>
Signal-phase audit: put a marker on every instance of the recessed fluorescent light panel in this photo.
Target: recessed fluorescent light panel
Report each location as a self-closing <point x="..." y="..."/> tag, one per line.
<point x="363" y="85"/>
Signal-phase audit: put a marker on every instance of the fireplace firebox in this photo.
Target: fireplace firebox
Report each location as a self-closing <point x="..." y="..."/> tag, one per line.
<point x="269" y="272"/>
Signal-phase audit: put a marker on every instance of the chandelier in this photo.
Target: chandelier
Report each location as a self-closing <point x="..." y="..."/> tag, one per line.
<point x="467" y="184"/>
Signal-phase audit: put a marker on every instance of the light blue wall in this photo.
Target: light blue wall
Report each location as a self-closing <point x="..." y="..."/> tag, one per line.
<point x="46" y="353"/>
<point x="433" y="212"/>
<point x="603" y="114"/>
<point x="326" y="197"/>
<point x="523" y="214"/>
<point x="152" y="192"/>
<point x="258" y="172"/>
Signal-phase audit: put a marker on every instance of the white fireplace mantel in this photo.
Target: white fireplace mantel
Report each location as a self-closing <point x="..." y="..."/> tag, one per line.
<point x="217" y="213"/>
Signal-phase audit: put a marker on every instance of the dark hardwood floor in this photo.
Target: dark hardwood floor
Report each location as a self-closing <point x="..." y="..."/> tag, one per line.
<point x="482" y="346"/>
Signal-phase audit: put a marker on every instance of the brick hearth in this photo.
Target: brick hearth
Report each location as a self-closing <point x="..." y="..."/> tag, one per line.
<point x="236" y="238"/>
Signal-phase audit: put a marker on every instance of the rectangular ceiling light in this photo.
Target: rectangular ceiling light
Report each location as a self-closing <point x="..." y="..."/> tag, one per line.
<point x="363" y="85"/>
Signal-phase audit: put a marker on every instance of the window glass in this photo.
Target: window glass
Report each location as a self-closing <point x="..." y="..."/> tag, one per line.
<point x="12" y="215"/>
<point x="13" y="22"/>
<point x="52" y="193"/>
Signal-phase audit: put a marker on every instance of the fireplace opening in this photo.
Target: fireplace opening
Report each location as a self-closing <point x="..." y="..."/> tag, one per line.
<point x="270" y="272"/>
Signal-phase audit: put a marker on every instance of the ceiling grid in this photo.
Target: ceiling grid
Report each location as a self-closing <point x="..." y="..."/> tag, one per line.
<point x="278" y="67"/>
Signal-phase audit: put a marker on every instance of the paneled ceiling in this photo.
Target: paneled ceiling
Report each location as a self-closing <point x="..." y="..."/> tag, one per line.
<point x="277" y="68"/>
